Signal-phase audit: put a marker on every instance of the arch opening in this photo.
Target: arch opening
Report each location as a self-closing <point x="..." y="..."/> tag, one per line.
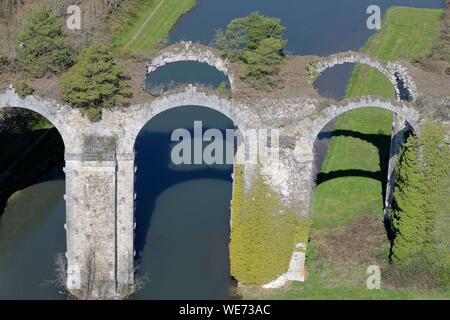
<point x="182" y="211"/>
<point x="376" y="138"/>
<point x="351" y="230"/>
<point x="350" y="79"/>
<point x="32" y="210"/>
<point x="177" y="74"/>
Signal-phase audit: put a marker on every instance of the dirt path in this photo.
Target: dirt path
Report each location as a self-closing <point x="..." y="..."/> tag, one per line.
<point x="144" y="24"/>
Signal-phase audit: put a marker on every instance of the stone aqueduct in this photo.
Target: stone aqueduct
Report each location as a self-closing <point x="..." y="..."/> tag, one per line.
<point x="100" y="167"/>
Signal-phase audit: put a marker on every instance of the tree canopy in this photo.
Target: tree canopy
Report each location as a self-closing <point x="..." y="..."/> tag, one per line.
<point x="420" y="210"/>
<point x="258" y="42"/>
<point x="95" y="82"/>
<point x="42" y="46"/>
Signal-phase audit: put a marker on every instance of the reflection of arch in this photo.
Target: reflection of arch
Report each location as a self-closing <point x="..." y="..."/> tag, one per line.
<point x="395" y="72"/>
<point x="151" y="167"/>
<point x="186" y="51"/>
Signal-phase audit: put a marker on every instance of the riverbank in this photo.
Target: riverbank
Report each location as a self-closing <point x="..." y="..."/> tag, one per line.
<point x="348" y="234"/>
<point x="150" y="24"/>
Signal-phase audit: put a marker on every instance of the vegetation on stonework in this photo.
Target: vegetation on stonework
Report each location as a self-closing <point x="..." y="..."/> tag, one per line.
<point x="96" y="81"/>
<point x="23" y="89"/>
<point x="258" y="42"/>
<point x="42" y="46"/>
<point x="4" y="62"/>
<point x="263" y="232"/>
<point x="142" y="25"/>
<point x="420" y="211"/>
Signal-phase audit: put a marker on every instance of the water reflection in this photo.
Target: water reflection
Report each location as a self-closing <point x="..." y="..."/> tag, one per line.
<point x="31" y="235"/>
<point x="182" y="216"/>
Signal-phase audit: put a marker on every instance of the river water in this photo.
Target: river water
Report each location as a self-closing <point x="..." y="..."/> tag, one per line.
<point x="182" y="212"/>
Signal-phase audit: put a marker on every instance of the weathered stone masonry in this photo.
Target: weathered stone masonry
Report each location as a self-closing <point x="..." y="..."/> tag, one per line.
<point x="100" y="168"/>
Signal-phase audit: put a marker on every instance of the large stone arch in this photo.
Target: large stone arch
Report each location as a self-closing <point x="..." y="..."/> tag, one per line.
<point x="394" y="71"/>
<point x="136" y="117"/>
<point x="186" y="51"/>
<point x="404" y="110"/>
<point x="51" y="110"/>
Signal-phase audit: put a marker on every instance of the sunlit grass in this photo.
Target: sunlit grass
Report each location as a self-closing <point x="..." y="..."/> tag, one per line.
<point x="165" y="14"/>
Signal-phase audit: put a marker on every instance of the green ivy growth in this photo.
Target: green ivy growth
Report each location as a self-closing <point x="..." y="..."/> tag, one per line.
<point x="263" y="232"/>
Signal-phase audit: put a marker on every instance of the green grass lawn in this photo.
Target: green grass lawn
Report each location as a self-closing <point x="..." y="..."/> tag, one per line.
<point x="356" y="166"/>
<point x="152" y="23"/>
<point x="316" y="289"/>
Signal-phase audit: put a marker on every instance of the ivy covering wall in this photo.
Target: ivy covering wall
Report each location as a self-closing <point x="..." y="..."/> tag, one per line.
<point x="263" y="232"/>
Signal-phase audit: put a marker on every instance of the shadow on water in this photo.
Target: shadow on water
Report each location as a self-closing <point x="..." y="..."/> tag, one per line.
<point x="182" y="213"/>
<point x="29" y="157"/>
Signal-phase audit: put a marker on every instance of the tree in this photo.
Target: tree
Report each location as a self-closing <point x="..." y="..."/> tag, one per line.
<point x="95" y="82"/>
<point x="408" y="217"/>
<point x="420" y="211"/>
<point x="258" y="42"/>
<point x="436" y="170"/>
<point x="265" y="61"/>
<point x="246" y="34"/>
<point x="42" y="46"/>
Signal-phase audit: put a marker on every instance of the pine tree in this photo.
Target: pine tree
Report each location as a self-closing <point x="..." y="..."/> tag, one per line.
<point x="42" y="46"/>
<point x="409" y="219"/>
<point x="421" y="210"/>
<point x="436" y="155"/>
<point x="95" y="82"/>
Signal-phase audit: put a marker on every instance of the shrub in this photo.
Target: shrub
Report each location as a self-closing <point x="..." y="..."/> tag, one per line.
<point x="263" y="232"/>
<point x="42" y="46"/>
<point x="95" y="82"/>
<point x="23" y="89"/>
<point x="4" y="62"/>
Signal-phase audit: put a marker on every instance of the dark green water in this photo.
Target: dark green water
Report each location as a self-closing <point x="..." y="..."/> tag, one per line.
<point x="182" y="212"/>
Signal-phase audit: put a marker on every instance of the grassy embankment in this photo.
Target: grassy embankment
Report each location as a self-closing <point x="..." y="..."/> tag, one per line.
<point x="348" y="233"/>
<point x="150" y="23"/>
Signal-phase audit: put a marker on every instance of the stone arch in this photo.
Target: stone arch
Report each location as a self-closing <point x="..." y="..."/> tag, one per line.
<point x="51" y="110"/>
<point x="394" y="71"/>
<point x="186" y="51"/>
<point x="404" y="110"/>
<point x="140" y="115"/>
